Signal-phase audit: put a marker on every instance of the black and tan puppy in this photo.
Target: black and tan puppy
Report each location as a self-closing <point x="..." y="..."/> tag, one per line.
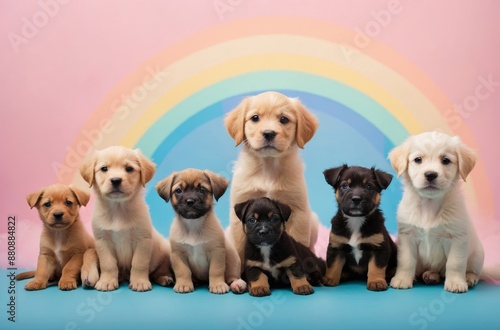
<point x="271" y="255"/>
<point x="199" y="250"/>
<point x="360" y="245"/>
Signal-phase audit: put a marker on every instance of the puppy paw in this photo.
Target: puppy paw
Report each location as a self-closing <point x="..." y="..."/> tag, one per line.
<point x="106" y="284"/>
<point x="89" y="277"/>
<point x="456" y="285"/>
<point x="140" y="285"/>
<point x="377" y="285"/>
<point x="303" y="289"/>
<point x="402" y="282"/>
<point x="431" y="277"/>
<point x="35" y="285"/>
<point x="67" y="285"/>
<point x="471" y="279"/>
<point x="183" y="287"/>
<point x="330" y="281"/>
<point x="260" y="291"/>
<point x="218" y="288"/>
<point x="238" y="286"/>
<point x="165" y="280"/>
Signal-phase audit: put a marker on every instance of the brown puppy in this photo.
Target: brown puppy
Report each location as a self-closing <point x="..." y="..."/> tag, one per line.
<point x="64" y="240"/>
<point x="200" y="251"/>
<point x="272" y="128"/>
<point x="128" y="246"/>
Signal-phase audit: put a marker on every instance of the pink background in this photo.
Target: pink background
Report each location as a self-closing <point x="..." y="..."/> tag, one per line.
<point x="51" y="84"/>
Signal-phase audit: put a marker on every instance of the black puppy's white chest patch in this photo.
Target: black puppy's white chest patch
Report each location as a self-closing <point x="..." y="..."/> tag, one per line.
<point x="354" y="224"/>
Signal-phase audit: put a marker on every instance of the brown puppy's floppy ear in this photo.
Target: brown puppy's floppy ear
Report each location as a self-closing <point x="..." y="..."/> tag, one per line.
<point x="466" y="158"/>
<point x="148" y="168"/>
<point x="399" y="156"/>
<point x="235" y="121"/>
<point x="307" y="124"/>
<point x="241" y="208"/>
<point x="34" y="198"/>
<point x="219" y="184"/>
<point x="332" y="175"/>
<point x="164" y="187"/>
<point x="384" y="179"/>
<point x="82" y="197"/>
<point x="87" y="168"/>
<point x="285" y="210"/>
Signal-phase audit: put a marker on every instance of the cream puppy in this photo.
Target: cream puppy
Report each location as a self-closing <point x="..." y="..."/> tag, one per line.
<point x="272" y="128"/>
<point x="128" y="246"/>
<point x="436" y="238"/>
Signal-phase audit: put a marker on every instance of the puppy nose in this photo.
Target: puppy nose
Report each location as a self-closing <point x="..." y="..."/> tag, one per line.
<point x="356" y="200"/>
<point x="269" y="135"/>
<point x="263" y="231"/>
<point x="116" y="181"/>
<point x="58" y="215"/>
<point x="430" y="176"/>
<point x="190" y="201"/>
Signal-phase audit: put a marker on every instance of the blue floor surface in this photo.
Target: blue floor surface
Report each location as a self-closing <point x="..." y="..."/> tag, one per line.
<point x="347" y="306"/>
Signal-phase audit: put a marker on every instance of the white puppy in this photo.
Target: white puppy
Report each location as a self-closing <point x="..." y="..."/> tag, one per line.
<point x="436" y="238"/>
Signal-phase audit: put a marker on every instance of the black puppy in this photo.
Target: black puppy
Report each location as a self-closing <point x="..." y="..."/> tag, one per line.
<point x="271" y="255"/>
<point x="360" y="245"/>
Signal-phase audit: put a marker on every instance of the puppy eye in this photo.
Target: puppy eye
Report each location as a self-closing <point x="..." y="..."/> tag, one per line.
<point x="275" y="218"/>
<point x="255" y="118"/>
<point x="369" y="186"/>
<point x="284" y="120"/>
<point x="251" y="220"/>
<point x="178" y="191"/>
<point x="104" y="168"/>
<point x="418" y="160"/>
<point x="129" y="169"/>
<point x="445" y="161"/>
<point x="202" y="190"/>
<point x="69" y="203"/>
<point x="47" y="204"/>
<point x="344" y="186"/>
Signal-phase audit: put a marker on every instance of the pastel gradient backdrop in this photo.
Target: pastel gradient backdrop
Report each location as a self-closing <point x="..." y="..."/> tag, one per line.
<point x="160" y="76"/>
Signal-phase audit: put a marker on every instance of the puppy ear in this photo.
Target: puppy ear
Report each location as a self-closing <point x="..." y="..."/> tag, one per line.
<point x="164" y="187"/>
<point x="148" y="168"/>
<point x="241" y="208"/>
<point x="87" y="168"/>
<point x="82" y="197"/>
<point x="466" y="158"/>
<point x="384" y="179"/>
<point x="332" y="175"/>
<point x="219" y="184"/>
<point x="34" y="198"/>
<point x="307" y="124"/>
<point x="399" y="157"/>
<point x="235" y="121"/>
<point x="285" y="210"/>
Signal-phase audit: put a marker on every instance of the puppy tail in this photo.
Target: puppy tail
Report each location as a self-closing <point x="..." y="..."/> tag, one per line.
<point x="25" y="275"/>
<point x="491" y="275"/>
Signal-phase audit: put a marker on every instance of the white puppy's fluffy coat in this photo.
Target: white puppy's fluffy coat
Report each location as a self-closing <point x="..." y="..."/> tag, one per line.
<point x="436" y="238"/>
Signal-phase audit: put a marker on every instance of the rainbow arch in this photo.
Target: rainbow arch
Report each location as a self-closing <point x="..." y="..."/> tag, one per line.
<point x="372" y="97"/>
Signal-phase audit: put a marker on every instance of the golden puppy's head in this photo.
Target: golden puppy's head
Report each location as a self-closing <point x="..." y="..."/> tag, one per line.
<point x="58" y="205"/>
<point x="432" y="162"/>
<point x="192" y="191"/>
<point x="117" y="173"/>
<point x="270" y="123"/>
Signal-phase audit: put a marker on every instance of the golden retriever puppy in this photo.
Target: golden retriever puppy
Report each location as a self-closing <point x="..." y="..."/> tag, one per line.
<point x="128" y="246"/>
<point x="64" y="239"/>
<point x="200" y="252"/>
<point x="436" y="238"/>
<point x="272" y="128"/>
